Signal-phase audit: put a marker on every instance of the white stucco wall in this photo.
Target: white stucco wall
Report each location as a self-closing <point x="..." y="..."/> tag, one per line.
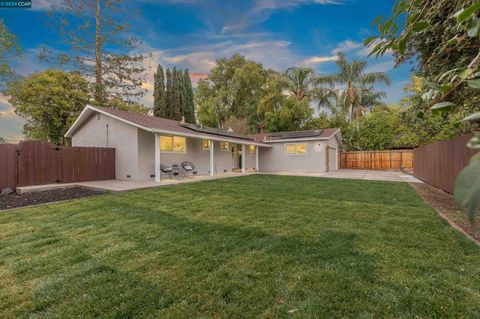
<point x="223" y="160"/>
<point x="274" y="159"/>
<point x="121" y="136"/>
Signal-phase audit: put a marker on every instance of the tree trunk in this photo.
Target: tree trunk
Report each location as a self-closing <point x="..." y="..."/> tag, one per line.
<point x="351" y="99"/>
<point x="98" y="57"/>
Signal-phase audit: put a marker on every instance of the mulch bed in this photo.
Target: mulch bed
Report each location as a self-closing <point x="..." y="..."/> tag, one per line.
<point x="19" y="200"/>
<point x="444" y="204"/>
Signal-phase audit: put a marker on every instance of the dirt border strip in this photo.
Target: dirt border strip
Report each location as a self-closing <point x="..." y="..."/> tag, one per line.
<point x="439" y="211"/>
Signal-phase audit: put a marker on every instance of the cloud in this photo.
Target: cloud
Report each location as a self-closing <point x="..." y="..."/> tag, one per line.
<point x="261" y="10"/>
<point x="45" y="5"/>
<point x="380" y="67"/>
<point x="347" y="46"/>
<point x="319" y="59"/>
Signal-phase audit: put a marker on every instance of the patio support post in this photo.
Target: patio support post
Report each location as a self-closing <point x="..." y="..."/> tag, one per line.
<point x="257" y="149"/>
<point x="211" y="157"/>
<point x="243" y="158"/>
<point x="157" y="157"/>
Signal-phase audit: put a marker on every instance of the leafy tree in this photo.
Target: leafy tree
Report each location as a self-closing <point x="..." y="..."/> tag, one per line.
<point x="129" y="106"/>
<point x="292" y="115"/>
<point x="49" y="102"/>
<point x="97" y="33"/>
<point x="233" y="87"/>
<point x="404" y="33"/>
<point x="358" y="93"/>
<point x="176" y="106"/>
<point x="8" y="47"/>
<point x="159" y="94"/>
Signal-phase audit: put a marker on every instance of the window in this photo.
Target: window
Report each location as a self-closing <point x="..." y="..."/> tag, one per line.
<point x="252" y="149"/>
<point x="224" y="146"/>
<point x="296" y="149"/>
<point x="206" y="145"/>
<point x="174" y="144"/>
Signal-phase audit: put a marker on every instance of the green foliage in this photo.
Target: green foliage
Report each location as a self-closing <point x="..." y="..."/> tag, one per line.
<point x="176" y="99"/>
<point x="449" y="59"/>
<point x="8" y="47"/>
<point x="49" y="102"/>
<point x="129" y="106"/>
<point x="357" y="93"/>
<point x="96" y="36"/>
<point x="292" y="115"/>
<point x="159" y="94"/>
<point x="233" y="88"/>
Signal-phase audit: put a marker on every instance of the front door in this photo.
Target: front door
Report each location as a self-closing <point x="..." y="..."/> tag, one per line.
<point x="236" y="156"/>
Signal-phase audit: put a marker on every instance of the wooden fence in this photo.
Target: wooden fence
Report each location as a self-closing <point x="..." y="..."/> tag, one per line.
<point x="38" y="163"/>
<point x="439" y="163"/>
<point x="377" y="160"/>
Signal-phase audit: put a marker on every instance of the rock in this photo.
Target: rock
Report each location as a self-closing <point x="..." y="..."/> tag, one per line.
<point x="7" y="191"/>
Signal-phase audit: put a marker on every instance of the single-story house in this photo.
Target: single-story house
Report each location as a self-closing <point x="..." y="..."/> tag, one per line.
<point x="144" y="142"/>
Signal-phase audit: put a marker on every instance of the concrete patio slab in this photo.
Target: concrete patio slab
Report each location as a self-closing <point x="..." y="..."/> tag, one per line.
<point x="126" y="185"/>
<point x="372" y="175"/>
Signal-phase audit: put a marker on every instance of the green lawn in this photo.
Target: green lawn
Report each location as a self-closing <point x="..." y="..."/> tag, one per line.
<point x="255" y="246"/>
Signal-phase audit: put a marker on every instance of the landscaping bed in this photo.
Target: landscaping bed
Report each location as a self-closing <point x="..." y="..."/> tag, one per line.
<point x="444" y="203"/>
<point x="20" y="200"/>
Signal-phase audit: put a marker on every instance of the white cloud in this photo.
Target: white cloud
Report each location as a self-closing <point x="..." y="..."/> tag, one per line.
<point x="319" y="59"/>
<point x="380" y="67"/>
<point x="347" y="46"/>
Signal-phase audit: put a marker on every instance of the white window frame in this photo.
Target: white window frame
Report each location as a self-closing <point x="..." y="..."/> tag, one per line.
<point x="222" y="149"/>
<point x="289" y="144"/>
<point x="172" y="151"/>
<point x="203" y="145"/>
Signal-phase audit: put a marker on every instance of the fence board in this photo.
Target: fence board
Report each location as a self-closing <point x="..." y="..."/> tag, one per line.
<point x="8" y="166"/>
<point x="439" y="163"/>
<point x="38" y="163"/>
<point x="377" y="160"/>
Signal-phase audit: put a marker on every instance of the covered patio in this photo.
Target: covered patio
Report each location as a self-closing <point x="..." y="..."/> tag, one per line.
<point x="210" y="155"/>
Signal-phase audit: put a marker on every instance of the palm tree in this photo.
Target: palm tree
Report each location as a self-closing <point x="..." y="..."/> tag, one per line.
<point x="359" y="92"/>
<point x="303" y="83"/>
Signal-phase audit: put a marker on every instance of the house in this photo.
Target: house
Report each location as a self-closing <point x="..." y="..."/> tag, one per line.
<point x="143" y="142"/>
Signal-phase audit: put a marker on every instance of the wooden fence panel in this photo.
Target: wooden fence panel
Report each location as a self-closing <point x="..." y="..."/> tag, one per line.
<point x="377" y="160"/>
<point x="439" y="163"/>
<point x="8" y="166"/>
<point x="39" y="163"/>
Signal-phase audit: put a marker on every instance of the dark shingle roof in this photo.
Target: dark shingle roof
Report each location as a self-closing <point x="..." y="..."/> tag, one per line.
<point x="153" y="122"/>
<point x="278" y="136"/>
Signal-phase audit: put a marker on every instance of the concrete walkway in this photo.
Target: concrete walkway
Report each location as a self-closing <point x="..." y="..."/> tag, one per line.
<point x="371" y="175"/>
<point x="125" y="185"/>
<point x="116" y="185"/>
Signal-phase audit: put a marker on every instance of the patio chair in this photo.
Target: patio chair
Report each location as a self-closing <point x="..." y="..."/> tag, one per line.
<point x="166" y="170"/>
<point x="188" y="167"/>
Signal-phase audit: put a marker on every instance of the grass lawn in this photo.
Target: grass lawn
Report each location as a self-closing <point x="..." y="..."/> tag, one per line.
<point x="256" y="246"/>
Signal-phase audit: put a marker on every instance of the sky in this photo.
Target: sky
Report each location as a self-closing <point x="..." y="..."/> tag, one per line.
<point x="194" y="33"/>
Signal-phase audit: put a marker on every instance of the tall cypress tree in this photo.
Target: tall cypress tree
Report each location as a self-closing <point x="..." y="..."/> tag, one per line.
<point x="176" y="107"/>
<point x="169" y="96"/>
<point x="189" y="106"/>
<point x="159" y="94"/>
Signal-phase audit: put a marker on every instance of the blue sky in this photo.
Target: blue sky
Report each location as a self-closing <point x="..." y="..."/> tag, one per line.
<point x="194" y="33"/>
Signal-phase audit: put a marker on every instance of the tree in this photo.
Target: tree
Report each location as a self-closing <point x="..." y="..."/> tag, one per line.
<point x="159" y="94"/>
<point x="299" y="82"/>
<point x="129" y="106"/>
<point x="49" y="102"/>
<point x="358" y="87"/>
<point x="176" y="106"/>
<point x="406" y="29"/>
<point x="8" y="47"/>
<point x="292" y="115"/>
<point x="98" y="48"/>
<point x="169" y="96"/>
<point x="233" y="87"/>
<point x="189" y="105"/>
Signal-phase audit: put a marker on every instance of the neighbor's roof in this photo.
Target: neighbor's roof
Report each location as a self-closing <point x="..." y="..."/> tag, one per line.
<point x="322" y="134"/>
<point x="162" y="125"/>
